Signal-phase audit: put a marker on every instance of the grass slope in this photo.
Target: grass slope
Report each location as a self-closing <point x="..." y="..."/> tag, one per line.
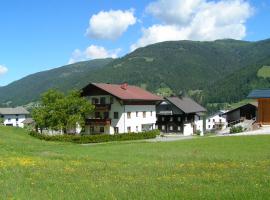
<point x="205" y="168"/>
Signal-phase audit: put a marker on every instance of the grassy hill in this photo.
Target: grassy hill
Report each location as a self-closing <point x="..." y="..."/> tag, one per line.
<point x="204" y="69"/>
<point x="203" y="168"/>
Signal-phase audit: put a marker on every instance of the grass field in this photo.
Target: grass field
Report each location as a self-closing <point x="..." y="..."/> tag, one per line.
<point x="264" y="72"/>
<point x="203" y="168"/>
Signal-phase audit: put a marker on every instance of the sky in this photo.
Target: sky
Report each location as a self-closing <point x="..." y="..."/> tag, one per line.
<point x="37" y="35"/>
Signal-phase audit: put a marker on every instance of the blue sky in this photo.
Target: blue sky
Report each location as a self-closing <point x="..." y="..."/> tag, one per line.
<point x="37" y="35"/>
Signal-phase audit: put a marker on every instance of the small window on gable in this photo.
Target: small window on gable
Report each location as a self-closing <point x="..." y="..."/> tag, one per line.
<point x="128" y="115"/>
<point x="144" y="114"/>
<point x="115" y="115"/>
<point x="137" y="114"/>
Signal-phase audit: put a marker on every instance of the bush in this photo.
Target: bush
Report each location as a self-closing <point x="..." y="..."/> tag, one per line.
<point x="84" y="139"/>
<point x="236" y="129"/>
<point x="198" y="132"/>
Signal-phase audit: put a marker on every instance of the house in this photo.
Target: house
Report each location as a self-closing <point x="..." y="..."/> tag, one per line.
<point x="241" y="113"/>
<point x="216" y="121"/>
<point x="263" y="103"/>
<point x="180" y="115"/>
<point x="120" y="108"/>
<point x="13" y="116"/>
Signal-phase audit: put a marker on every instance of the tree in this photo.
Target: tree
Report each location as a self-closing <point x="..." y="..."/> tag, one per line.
<point x="61" y="112"/>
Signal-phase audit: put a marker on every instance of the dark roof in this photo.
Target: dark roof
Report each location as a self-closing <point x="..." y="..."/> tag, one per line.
<point x="187" y="105"/>
<point x="127" y="92"/>
<point x="28" y="121"/>
<point x="255" y="94"/>
<point x="255" y="104"/>
<point x="14" y="111"/>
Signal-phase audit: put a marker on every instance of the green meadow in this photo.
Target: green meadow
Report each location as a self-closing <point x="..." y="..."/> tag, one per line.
<point x="201" y="168"/>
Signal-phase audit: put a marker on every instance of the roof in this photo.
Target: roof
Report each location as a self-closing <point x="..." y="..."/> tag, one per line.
<point x="186" y="104"/>
<point x="252" y="103"/>
<point x="28" y="121"/>
<point x="220" y="112"/>
<point x="127" y="92"/>
<point x="14" y="111"/>
<point x="263" y="93"/>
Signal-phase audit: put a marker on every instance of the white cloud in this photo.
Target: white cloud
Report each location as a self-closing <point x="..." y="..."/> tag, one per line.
<point x="3" y="70"/>
<point x="111" y="24"/>
<point x="196" y="20"/>
<point x="93" y="52"/>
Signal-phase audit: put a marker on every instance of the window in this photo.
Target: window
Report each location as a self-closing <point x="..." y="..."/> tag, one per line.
<point x="116" y="130"/>
<point x="144" y="114"/>
<point x="171" y="128"/>
<point x="214" y="120"/>
<point x="185" y="118"/>
<point x="106" y="115"/>
<point x="128" y="129"/>
<point x="101" y="129"/>
<point x="111" y="100"/>
<point x="163" y="119"/>
<point x="128" y="115"/>
<point x="209" y="126"/>
<point x="214" y="126"/>
<point x="163" y="127"/>
<point x="97" y="114"/>
<point x="95" y="101"/>
<point x="151" y="113"/>
<point x="220" y="120"/>
<point x="17" y="119"/>
<point x="179" y="128"/>
<point x="199" y="118"/>
<point x="137" y="128"/>
<point x="137" y="114"/>
<point x="209" y="120"/>
<point x="9" y="119"/>
<point x="179" y="119"/>
<point x="102" y="100"/>
<point x="171" y="119"/>
<point x="115" y="115"/>
<point x="92" y="130"/>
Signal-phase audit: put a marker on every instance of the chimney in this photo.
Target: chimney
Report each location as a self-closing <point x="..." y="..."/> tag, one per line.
<point x="124" y="86"/>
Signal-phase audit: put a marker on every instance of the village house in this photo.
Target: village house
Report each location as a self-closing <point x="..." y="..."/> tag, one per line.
<point x="120" y="108"/>
<point x="180" y="115"/>
<point x="216" y="121"/>
<point x="14" y="116"/>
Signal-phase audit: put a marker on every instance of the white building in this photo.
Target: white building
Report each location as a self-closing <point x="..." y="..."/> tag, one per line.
<point x="216" y="121"/>
<point x="120" y="109"/>
<point x="14" y="116"/>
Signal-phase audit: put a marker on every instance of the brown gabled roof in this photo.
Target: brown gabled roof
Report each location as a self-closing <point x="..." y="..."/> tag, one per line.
<point x="187" y="105"/>
<point x="127" y="92"/>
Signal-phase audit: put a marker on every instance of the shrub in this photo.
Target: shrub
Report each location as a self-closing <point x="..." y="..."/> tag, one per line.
<point x="198" y="132"/>
<point x="236" y="129"/>
<point x="84" y="139"/>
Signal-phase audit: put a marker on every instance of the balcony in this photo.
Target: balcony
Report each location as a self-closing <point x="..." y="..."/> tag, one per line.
<point x="105" y="107"/>
<point x="102" y="122"/>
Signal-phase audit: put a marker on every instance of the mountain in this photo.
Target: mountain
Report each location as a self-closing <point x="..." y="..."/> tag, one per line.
<point x="212" y="72"/>
<point x="64" y="78"/>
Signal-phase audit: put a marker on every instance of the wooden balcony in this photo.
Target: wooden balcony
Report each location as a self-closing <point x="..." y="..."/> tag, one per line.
<point x="105" y="107"/>
<point x="102" y="122"/>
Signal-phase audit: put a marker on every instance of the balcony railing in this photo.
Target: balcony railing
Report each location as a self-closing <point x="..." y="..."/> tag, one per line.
<point x="98" y="121"/>
<point x="102" y="106"/>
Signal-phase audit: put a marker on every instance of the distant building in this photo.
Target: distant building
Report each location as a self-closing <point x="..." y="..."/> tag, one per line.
<point x="216" y="121"/>
<point x="241" y="113"/>
<point x="120" y="108"/>
<point x="180" y="115"/>
<point x="14" y="116"/>
<point x="263" y="104"/>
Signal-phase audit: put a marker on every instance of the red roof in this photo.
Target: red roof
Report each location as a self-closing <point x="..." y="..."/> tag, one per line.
<point x="128" y="92"/>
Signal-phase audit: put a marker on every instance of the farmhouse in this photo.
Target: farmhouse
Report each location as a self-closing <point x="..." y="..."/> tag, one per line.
<point x="263" y="99"/>
<point x="120" y="108"/>
<point x="216" y="121"/>
<point x="180" y="115"/>
<point x="14" y="116"/>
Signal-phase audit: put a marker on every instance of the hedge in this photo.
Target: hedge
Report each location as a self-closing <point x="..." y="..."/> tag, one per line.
<point x="84" y="139"/>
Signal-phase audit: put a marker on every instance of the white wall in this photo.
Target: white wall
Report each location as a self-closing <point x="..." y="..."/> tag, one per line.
<point x="188" y="129"/>
<point x="211" y="121"/>
<point x="11" y="120"/>
<point x="136" y="123"/>
<point x="199" y="123"/>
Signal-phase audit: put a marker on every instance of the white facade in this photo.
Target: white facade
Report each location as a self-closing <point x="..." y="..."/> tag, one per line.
<point x="216" y="121"/>
<point x="199" y="124"/>
<point x="122" y="118"/>
<point x="14" y="120"/>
